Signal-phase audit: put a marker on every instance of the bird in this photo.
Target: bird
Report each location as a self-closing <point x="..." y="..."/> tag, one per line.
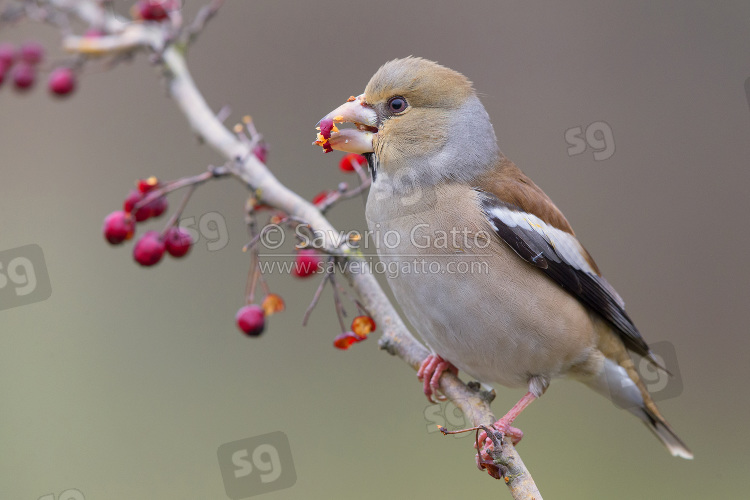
<point x="525" y="303"/>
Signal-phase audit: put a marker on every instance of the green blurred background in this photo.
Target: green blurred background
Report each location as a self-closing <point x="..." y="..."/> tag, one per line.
<point x="125" y="382"/>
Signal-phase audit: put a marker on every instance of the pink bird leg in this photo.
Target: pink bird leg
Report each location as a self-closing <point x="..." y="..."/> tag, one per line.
<point x="503" y="425"/>
<point x="430" y="371"/>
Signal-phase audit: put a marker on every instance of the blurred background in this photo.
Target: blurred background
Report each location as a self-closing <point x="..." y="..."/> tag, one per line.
<point x="126" y="381"/>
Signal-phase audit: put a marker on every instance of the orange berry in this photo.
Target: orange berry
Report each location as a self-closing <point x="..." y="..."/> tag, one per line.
<point x="272" y="304"/>
<point x="363" y="325"/>
<point x="345" y="340"/>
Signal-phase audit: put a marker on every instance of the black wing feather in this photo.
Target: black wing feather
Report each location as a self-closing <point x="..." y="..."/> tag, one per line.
<point x="589" y="288"/>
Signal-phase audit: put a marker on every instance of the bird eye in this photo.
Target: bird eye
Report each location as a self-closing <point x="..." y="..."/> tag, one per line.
<point x="397" y="104"/>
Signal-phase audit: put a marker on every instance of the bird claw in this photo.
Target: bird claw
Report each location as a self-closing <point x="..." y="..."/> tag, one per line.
<point x="429" y="373"/>
<point x="495" y="467"/>
<point x="505" y="429"/>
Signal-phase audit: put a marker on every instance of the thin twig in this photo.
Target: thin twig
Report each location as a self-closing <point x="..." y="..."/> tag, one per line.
<point x="315" y="299"/>
<point x="204" y="15"/>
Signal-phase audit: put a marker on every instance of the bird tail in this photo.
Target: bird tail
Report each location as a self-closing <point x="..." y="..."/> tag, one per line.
<point x="620" y="383"/>
<point x="664" y="432"/>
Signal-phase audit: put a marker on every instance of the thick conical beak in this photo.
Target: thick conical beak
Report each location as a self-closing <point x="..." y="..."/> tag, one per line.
<point x="351" y="140"/>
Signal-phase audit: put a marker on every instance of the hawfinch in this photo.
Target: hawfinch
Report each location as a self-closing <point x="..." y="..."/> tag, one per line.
<point x="485" y="267"/>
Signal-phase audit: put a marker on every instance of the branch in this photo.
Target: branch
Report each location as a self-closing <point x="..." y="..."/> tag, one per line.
<point x="396" y="339"/>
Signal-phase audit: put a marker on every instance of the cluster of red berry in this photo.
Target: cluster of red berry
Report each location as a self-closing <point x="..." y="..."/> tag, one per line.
<point x="361" y="325"/>
<point x="22" y="64"/>
<point x="119" y="226"/>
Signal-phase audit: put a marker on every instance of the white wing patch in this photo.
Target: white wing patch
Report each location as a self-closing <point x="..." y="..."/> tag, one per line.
<point x="564" y="244"/>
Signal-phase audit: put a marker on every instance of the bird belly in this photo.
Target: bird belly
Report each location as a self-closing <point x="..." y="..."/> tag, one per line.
<point x="485" y="310"/>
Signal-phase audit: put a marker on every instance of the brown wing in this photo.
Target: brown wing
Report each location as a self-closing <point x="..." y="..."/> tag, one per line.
<point x="525" y="218"/>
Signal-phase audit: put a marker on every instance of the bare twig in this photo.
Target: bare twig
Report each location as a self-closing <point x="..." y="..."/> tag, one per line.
<point x="315" y="299"/>
<point x="204" y="15"/>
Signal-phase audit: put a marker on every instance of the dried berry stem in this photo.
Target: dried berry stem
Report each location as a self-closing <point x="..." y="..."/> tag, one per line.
<point x="178" y="213"/>
<point x="315" y="299"/>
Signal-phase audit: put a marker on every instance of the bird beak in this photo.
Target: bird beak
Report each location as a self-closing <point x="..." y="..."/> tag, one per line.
<point x="350" y="140"/>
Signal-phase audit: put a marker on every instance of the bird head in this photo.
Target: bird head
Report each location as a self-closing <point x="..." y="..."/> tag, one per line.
<point x="419" y="116"/>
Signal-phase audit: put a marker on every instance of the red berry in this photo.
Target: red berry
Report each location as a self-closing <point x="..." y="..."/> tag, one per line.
<point x="118" y="227"/>
<point x="62" y="81"/>
<point x="134" y="197"/>
<point x="321" y="197"/>
<point x="94" y="33"/>
<point x="346" y="162"/>
<point x="146" y="185"/>
<point x="23" y="75"/>
<point x="157" y="207"/>
<point x="261" y="152"/>
<point x="306" y="263"/>
<point x="32" y="52"/>
<point x="325" y="128"/>
<point x="177" y="241"/>
<point x="251" y="320"/>
<point x="149" y="249"/>
<point x="3" y="70"/>
<point x="363" y="325"/>
<point x="153" y="208"/>
<point x="345" y="340"/>
<point x="7" y="54"/>
<point x="153" y="10"/>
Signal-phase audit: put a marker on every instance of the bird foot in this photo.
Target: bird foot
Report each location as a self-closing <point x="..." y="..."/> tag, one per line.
<point x="487" y="457"/>
<point x="429" y="373"/>
<point x="505" y="429"/>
